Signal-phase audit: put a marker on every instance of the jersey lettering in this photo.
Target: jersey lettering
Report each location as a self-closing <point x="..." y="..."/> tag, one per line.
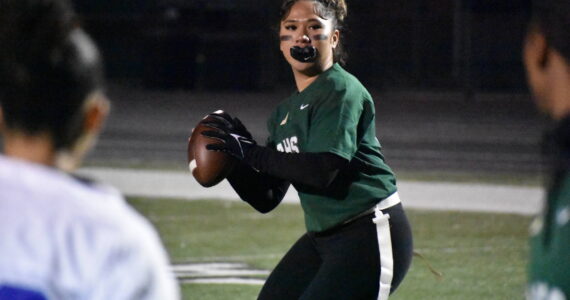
<point x="289" y="145"/>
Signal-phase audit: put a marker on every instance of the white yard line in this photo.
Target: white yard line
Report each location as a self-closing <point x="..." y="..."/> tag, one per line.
<point x="226" y="269"/>
<point x="414" y="194"/>
<point x="219" y="273"/>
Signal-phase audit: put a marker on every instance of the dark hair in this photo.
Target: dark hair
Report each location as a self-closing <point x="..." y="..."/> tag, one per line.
<point x="553" y="19"/>
<point x="326" y="9"/>
<point x="48" y="67"/>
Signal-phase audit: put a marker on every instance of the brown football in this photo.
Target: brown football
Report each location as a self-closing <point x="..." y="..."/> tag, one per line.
<point x="208" y="167"/>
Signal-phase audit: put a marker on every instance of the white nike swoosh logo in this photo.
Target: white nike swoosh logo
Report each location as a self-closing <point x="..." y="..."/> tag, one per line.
<point x="284" y="120"/>
<point x="303" y="106"/>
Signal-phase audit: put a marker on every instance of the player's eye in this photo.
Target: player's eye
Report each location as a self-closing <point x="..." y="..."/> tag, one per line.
<point x="316" y="27"/>
<point x="291" y="27"/>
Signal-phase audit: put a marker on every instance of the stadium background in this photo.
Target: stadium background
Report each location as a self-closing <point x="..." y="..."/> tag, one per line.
<point x="452" y="105"/>
<point x="419" y="44"/>
<point x="446" y="75"/>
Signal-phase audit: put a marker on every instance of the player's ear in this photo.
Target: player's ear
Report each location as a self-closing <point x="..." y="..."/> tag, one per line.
<point x="335" y="38"/>
<point x="536" y="50"/>
<point x="96" y="110"/>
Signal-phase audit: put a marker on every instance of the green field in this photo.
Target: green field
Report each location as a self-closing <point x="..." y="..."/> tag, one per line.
<point x="482" y="256"/>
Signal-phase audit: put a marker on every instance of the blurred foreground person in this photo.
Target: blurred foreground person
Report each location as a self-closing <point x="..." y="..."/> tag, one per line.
<point x="62" y="237"/>
<point x="547" y="60"/>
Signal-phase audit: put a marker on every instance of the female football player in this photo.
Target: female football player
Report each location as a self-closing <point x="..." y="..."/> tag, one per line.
<point x="322" y="140"/>
<point x="62" y="237"/>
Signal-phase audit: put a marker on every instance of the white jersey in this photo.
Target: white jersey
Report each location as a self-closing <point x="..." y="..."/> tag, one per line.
<point x="65" y="239"/>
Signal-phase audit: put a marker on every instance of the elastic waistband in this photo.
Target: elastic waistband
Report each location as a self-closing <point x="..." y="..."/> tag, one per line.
<point x="386" y="203"/>
<point x="392" y="200"/>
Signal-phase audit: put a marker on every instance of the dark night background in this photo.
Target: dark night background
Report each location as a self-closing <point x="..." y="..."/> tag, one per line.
<point x="446" y="75"/>
<point x="421" y="44"/>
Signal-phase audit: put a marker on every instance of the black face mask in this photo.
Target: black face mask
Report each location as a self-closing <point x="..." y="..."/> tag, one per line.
<point x="305" y="55"/>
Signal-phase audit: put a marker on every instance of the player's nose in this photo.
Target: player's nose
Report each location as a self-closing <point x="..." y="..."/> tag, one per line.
<point x="303" y="39"/>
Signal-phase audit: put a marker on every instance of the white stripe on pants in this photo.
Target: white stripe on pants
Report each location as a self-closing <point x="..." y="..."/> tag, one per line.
<point x="382" y="222"/>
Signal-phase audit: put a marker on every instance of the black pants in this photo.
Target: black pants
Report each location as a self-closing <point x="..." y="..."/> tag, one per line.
<point x="344" y="262"/>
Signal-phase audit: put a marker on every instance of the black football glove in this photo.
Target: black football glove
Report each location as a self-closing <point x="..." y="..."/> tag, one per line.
<point x="223" y="121"/>
<point x="236" y="140"/>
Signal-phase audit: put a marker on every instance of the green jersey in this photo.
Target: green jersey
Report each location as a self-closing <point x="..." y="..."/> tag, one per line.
<point x="334" y="114"/>
<point x="550" y="246"/>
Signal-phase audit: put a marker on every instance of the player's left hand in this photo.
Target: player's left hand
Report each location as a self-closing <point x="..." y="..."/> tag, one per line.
<point x="234" y="141"/>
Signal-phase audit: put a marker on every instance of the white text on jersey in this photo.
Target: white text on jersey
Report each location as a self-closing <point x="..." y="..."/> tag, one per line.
<point x="289" y="145"/>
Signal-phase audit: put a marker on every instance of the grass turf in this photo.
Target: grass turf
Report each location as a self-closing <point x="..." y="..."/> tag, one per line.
<point x="482" y="255"/>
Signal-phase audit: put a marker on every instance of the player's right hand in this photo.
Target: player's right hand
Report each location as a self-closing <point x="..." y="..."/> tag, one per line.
<point x="232" y="143"/>
<point x="225" y="122"/>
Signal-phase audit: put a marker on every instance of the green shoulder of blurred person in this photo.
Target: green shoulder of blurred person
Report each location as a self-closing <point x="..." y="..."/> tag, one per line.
<point x="547" y="61"/>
